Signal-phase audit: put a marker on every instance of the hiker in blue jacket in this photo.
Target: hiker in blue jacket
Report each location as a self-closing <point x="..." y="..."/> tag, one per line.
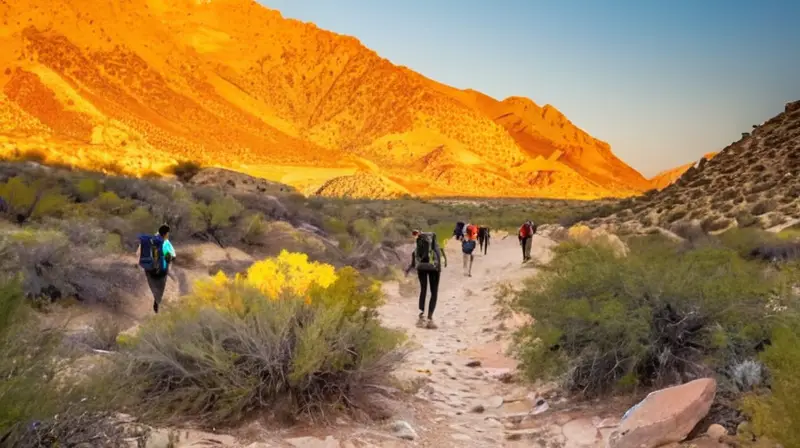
<point x="155" y="254"/>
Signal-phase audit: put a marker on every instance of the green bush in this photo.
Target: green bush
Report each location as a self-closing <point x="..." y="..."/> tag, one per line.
<point x="87" y="189"/>
<point x="660" y="315"/>
<point x="295" y="354"/>
<point x="32" y="200"/>
<point x="776" y="415"/>
<point x="110" y="203"/>
<point x="27" y="365"/>
<point x="218" y="214"/>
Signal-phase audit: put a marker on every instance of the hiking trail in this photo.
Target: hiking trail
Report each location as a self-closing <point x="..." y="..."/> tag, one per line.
<point x="465" y="393"/>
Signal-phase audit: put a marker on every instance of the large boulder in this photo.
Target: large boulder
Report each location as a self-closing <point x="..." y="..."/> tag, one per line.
<point x="584" y="235"/>
<point x="665" y="416"/>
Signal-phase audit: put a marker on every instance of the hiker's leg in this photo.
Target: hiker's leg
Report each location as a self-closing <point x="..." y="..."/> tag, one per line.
<point x="528" y="244"/>
<point x="423" y="289"/>
<point x="157" y="286"/>
<point x="464" y="261"/>
<point x="434" y="277"/>
<point x="471" y="257"/>
<point x="522" y="245"/>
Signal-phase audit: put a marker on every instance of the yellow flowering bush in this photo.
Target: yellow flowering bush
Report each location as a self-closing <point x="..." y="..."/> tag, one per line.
<point x="288" y="331"/>
<point x="288" y="273"/>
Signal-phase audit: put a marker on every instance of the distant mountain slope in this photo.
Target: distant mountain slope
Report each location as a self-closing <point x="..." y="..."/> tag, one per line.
<point x="753" y="182"/>
<point x="143" y="83"/>
<point x="667" y="177"/>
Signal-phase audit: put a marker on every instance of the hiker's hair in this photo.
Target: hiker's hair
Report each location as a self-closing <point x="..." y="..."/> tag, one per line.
<point x="163" y="230"/>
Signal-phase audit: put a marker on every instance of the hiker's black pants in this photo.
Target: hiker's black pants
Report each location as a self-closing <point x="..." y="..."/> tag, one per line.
<point x="483" y="242"/>
<point x="526" y="244"/>
<point x="424" y="278"/>
<point x="157" y="284"/>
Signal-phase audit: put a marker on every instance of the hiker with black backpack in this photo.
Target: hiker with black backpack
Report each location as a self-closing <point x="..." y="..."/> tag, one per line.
<point x="155" y="254"/>
<point x="458" y="232"/>
<point x="426" y="258"/>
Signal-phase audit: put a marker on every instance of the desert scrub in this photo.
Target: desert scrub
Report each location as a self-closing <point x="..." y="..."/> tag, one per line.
<point x="185" y="170"/>
<point x="290" y="335"/>
<point x="775" y="413"/>
<point x="32" y="359"/>
<point x="658" y="316"/>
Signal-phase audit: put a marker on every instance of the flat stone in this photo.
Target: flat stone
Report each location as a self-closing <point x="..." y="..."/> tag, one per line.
<point x="460" y="437"/>
<point x="494" y="402"/>
<point x="313" y="442"/>
<point x="403" y="430"/>
<point x="581" y="431"/>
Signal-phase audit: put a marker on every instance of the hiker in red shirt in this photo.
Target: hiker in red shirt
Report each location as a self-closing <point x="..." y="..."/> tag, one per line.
<point x="526" y="232"/>
<point x="468" y="246"/>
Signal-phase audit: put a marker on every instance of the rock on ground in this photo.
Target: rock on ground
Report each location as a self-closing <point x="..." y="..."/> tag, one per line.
<point x="665" y="416"/>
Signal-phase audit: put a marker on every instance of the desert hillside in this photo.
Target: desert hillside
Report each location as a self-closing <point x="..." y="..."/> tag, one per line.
<point x="667" y="177"/>
<point x="751" y="183"/>
<point x="140" y="84"/>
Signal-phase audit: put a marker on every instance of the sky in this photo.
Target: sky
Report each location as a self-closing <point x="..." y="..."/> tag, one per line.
<point x="663" y="82"/>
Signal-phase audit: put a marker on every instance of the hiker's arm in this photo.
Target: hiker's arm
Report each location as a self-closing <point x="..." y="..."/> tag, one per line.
<point x="438" y="252"/>
<point x="412" y="265"/>
<point x="444" y="256"/>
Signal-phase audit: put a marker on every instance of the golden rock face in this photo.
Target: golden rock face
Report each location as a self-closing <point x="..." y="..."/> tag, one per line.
<point x="140" y="84"/>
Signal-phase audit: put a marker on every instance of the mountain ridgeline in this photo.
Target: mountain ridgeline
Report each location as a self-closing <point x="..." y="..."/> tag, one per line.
<point x="139" y="85"/>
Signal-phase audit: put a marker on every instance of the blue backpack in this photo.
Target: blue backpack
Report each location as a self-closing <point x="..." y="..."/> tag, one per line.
<point x="151" y="257"/>
<point x="467" y="246"/>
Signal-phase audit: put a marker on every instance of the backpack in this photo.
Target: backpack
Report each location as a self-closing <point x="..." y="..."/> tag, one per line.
<point x="467" y="246"/>
<point x="534" y="227"/>
<point x="472" y="231"/>
<point x="459" y="230"/>
<point x="424" y="253"/>
<point x="151" y="256"/>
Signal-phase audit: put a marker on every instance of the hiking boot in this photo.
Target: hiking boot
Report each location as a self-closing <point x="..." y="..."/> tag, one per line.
<point x="431" y="325"/>
<point x="421" y="320"/>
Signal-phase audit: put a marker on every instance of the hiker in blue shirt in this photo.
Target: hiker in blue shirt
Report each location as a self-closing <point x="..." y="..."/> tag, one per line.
<point x="155" y="255"/>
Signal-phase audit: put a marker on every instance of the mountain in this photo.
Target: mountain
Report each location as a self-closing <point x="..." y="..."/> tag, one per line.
<point x="667" y="177"/>
<point x="138" y="85"/>
<point x="754" y="182"/>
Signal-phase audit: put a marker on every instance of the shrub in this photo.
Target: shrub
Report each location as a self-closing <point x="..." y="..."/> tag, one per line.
<point x="186" y="170"/>
<point x="367" y="230"/>
<point x="715" y="223"/>
<point x="763" y="207"/>
<point x="776" y="415"/>
<point x="87" y="189"/>
<point x="110" y="203"/>
<point x="289" y="335"/>
<point x="30" y="365"/>
<point x="658" y="316"/>
<point x="26" y="201"/>
<point x="216" y="215"/>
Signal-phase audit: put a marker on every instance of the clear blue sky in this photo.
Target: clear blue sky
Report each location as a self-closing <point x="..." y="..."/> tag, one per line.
<point x="662" y="81"/>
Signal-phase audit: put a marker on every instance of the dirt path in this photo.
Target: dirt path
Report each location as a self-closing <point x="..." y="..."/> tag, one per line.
<point x="465" y="395"/>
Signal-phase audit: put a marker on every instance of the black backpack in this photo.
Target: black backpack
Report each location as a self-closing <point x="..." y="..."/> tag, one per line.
<point x="459" y="230"/>
<point x="424" y="253"/>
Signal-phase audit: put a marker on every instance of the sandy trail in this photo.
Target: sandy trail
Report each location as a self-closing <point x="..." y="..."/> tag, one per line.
<point x="469" y="331"/>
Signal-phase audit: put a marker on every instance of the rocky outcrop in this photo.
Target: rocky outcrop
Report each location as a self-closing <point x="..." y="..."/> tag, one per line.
<point x="665" y="416"/>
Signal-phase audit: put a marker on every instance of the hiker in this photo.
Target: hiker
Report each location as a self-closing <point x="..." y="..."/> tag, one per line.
<point x="526" y="232"/>
<point x="468" y="247"/>
<point x="483" y="238"/>
<point x="155" y="254"/>
<point x="426" y="258"/>
<point x="458" y="232"/>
